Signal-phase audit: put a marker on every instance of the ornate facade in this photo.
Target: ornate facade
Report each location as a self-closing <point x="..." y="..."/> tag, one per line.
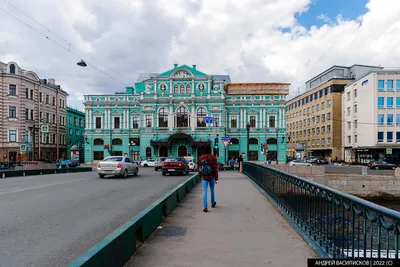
<point x="183" y="110"/>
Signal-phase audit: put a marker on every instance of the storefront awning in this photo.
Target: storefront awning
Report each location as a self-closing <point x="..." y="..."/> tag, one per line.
<point x="180" y="137"/>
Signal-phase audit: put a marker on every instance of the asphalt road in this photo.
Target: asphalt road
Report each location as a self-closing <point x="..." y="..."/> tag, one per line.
<point x="50" y="220"/>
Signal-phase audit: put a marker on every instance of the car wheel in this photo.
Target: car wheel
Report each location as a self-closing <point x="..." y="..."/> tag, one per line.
<point x="181" y="173"/>
<point x="125" y="175"/>
<point x="376" y="168"/>
<point x="146" y="165"/>
<point x="101" y="175"/>
<point x="163" y="173"/>
<point x="136" y="172"/>
<point x="393" y="167"/>
<point x="155" y="169"/>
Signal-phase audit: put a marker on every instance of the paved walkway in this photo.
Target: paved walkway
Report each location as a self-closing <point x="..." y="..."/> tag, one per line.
<point x="244" y="229"/>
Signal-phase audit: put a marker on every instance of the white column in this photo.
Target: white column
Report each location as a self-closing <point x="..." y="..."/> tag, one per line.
<point x="170" y="86"/>
<point x="241" y="118"/>
<point x="209" y="87"/>
<point x="171" y="118"/>
<point x="193" y="118"/>
<point x="245" y="118"/>
<point x="192" y="86"/>
<point x="90" y="115"/>
<point x="86" y="119"/>
<point x="155" y="89"/>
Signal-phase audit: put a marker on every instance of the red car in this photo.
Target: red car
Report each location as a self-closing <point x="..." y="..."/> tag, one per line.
<point x="175" y="165"/>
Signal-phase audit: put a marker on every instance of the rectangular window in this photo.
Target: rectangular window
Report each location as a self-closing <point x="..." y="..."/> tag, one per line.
<point x="355" y="139"/>
<point x="47" y="117"/>
<point x="389" y="119"/>
<point x="252" y="121"/>
<point x="323" y="118"/>
<point x="328" y="141"/>
<point x="135" y="122"/>
<point x="54" y="119"/>
<point x="348" y="111"/>
<point x="26" y="93"/>
<point x="31" y="94"/>
<point x="323" y="106"/>
<point x="148" y="120"/>
<point x="323" y="141"/>
<point x="355" y="93"/>
<point x="313" y="109"/>
<point x="381" y="119"/>
<point x="381" y="102"/>
<point x="323" y="129"/>
<point x="12" y="89"/>
<point x="271" y="120"/>
<point x="116" y="122"/>
<point x="77" y="132"/>
<point x="12" y="112"/>
<point x="75" y="121"/>
<point x="98" y="122"/>
<point x="26" y="114"/>
<point x="234" y="122"/>
<point x="389" y="102"/>
<point x="31" y="114"/>
<point x="70" y="131"/>
<point x="397" y="84"/>
<point x="380" y="136"/>
<point x="349" y="139"/>
<point x="348" y="96"/>
<point x="318" y="119"/>
<point x="397" y="119"/>
<point x="349" y="125"/>
<point x="329" y="103"/>
<point x="389" y="85"/>
<point x="98" y="155"/>
<point x="328" y="116"/>
<point x="216" y="120"/>
<point x="328" y="128"/>
<point x="397" y="136"/>
<point x="12" y="135"/>
<point x="381" y="85"/>
<point x="355" y="108"/>
<point x="317" y="107"/>
<point x="47" y="99"/>
<point x="41" y="97"/>
<point x="80" y="123"/>
<point x="397" y="102"/>
<point x="389" y="136"/>
<point x="54" y="101"/>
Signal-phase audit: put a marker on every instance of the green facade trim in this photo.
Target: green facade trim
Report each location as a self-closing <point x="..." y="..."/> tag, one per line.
<point x="75" y="132"/>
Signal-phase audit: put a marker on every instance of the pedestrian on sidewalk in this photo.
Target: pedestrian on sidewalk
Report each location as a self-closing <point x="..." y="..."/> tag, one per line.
<point x="208" y="172"/>
<point x="232" y="164"/>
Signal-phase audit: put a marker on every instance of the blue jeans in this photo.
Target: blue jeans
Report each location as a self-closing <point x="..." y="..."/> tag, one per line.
<point x="205" y="184"/>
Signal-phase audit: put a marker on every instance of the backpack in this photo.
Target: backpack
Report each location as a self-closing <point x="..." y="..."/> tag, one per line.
<point x="205" y="168"/>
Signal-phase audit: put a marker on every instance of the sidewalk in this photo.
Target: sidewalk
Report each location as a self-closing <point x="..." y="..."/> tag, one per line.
<point x="244" y="229"/>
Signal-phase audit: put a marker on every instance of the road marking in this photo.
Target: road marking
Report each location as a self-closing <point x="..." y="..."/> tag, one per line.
<point x="44" y="186"/>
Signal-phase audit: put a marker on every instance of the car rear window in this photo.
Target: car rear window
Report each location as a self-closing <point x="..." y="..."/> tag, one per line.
<point x="114" y="159"/>
<point x="173" y="159"/>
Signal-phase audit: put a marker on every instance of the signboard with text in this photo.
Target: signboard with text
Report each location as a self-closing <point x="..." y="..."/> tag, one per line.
<point x="225" y="140"/>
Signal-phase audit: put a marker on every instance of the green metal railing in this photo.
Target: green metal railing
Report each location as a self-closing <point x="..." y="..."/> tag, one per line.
<point x="341" y="225"/>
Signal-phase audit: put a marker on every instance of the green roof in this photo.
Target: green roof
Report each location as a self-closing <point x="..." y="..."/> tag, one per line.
<point x="191" y="69"/>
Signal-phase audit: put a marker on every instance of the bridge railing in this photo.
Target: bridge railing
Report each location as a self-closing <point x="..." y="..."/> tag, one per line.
<point x="341" y="225"/>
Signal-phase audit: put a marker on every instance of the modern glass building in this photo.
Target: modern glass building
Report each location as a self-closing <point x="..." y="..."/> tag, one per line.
<point x="182" y="111"/>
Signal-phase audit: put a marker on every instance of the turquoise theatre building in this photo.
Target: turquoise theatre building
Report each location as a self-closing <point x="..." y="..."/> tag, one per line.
<point x="182" y="111"/>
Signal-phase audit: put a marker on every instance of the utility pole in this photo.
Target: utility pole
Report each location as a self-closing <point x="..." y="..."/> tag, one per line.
<point x="248" y="137"/>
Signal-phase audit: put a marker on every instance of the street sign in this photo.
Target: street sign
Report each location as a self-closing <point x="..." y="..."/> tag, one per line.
<point x="44" y="128"/>
<point x="388" y="151"/>
<point x="225" y="140"/>
<point x="208" y="120"/>
<point x="243" y="155"/>
<point x="22" y="148"/>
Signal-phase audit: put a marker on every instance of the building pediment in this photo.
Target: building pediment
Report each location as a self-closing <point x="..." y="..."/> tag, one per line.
<point x="98" y="113"/>
<point x="234" y="112"/>
<point x="252" y="112"/>
<point x="181" y="74"/>
<point x="116" y="113"/>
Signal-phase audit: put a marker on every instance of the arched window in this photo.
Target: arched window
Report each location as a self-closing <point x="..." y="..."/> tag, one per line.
<point x="98" y="142"/>
<point x="272" y="141"/>
<point x="176" y="89"/>
<point x="117" y="142"/>
<point x="201" y="113"/>
<point x="253" y="141"/>
<point x="182" y="117"/>
<point x="188" y="89"/>
<point x="235" y="141"/>
<point x="12" y="68"/>
<point x="182" y="89"/>
<point x="148" y="152"/>
<point x="182" y="151"/>
<point x="162" y="118"/>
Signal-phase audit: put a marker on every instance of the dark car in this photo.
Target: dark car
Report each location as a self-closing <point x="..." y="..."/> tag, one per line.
<point x="72" y="163"/>
<point x="319" y="161"/>
<point x="175" y="165"/>
<point x="381" y="165"/>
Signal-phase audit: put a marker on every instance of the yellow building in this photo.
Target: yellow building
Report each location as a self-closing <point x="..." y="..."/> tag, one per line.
<point x="314" y="118"/>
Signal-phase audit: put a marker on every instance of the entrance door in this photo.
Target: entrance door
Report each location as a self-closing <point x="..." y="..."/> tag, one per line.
<point x="201" y="150"/>
<point x="182" y="151"/>
<point x="163" y="151"/>
<point x="12" y="156"/>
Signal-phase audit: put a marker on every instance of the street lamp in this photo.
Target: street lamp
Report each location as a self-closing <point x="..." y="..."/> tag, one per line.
<point x="81" y="63"/>
<point x="248" y="138"/>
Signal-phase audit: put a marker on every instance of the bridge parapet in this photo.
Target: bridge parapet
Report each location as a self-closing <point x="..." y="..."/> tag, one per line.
<point x="341" y="225"/>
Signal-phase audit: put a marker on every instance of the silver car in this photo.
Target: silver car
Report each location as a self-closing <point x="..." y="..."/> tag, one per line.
<point x="299" y="163"/>
<point x="117" y="166"/>
<point x="158" y="163"/>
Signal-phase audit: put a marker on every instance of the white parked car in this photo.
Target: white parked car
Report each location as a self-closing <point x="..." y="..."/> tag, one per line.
<point x="299" y="163"/>
<point x="149" y="163"/>
<point x="191" y="163"/>
<point x="117" y="166"/>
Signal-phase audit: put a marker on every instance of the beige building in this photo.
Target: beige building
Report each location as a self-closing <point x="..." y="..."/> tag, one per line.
<point x="29" y="104"/>
<point x="314" y="118"/>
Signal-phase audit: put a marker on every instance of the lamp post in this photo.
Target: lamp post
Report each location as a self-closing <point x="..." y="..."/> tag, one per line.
<point x="131" y="144"/>
<point x="248" y="138"/>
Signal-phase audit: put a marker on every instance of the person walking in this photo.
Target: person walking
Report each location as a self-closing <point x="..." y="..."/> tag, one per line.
<point x="240" y="160"/>
<point x="208" y="172"/>
<point x="232" y="164"/>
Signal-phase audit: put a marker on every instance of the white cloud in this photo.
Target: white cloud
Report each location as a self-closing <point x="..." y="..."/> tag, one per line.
<point x="324" y="18"/>
<point x="241" y="38"/>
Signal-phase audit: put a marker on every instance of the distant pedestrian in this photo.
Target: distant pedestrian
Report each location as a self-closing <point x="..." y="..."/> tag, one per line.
<point x="232" y="164"/>
<point x="208" y="171"/>
<point x="240" y="160"/>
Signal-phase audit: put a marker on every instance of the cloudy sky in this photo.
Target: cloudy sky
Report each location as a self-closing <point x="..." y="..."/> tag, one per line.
<point x="251" y="40"/>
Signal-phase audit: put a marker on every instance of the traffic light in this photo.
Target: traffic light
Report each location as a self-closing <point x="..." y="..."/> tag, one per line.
<point x="216" y="148"/>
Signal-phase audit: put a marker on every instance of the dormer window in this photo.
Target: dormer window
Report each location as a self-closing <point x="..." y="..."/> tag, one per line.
<point x="182" y="89"/>
<point x="12" y="68"/>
